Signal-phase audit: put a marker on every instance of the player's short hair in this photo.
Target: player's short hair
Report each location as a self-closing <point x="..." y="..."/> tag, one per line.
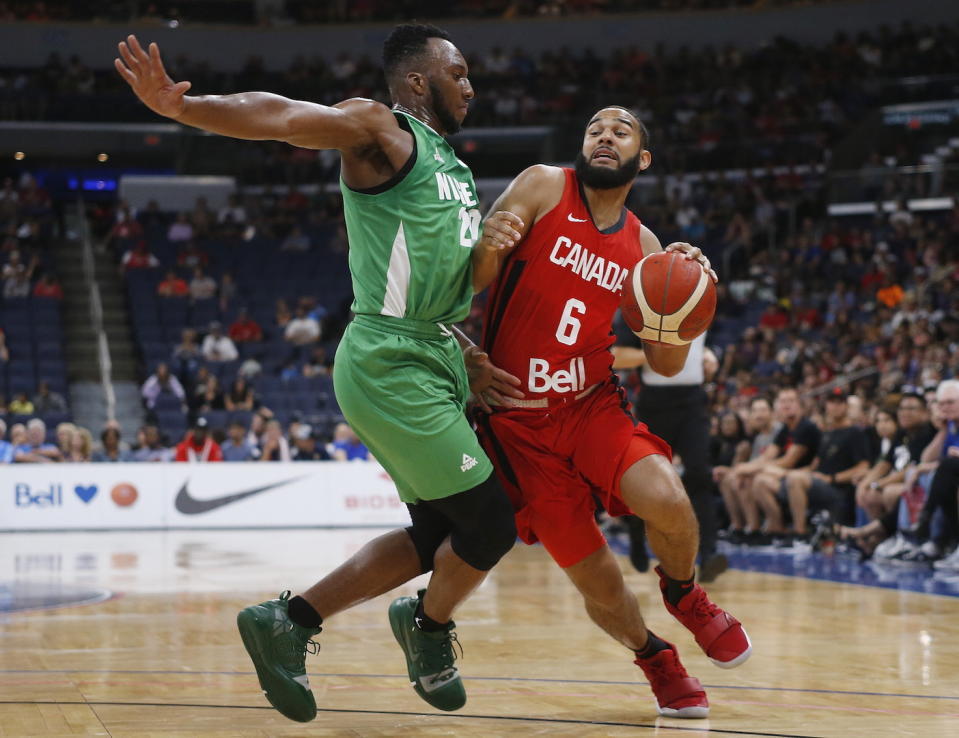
<point x="643" y="133"/>
<point x="643" y="130"/>
<point x="406" y="43"/>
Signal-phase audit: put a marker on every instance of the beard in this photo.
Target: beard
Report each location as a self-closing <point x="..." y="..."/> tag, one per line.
<point x="443" y="113"/>
<point x="604" y="178"/>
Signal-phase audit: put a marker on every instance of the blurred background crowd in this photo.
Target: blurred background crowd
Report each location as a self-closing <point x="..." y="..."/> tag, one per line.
<point x="830" y="214"/>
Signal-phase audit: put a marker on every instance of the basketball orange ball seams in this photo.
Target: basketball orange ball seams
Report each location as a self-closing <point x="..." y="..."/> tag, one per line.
<point x="668" y="299"/>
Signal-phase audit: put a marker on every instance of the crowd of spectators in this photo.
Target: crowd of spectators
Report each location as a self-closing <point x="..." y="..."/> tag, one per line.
<point x="262" y="439"/>
<point x="837" y="339"/>
<point x="879" y="478"/>
<point x="27" y="225"/>
<point x="710" y="108"/>
<point x="841" y="394"/>
<point x="283" y="12"/>
<point x="27" y="230"/>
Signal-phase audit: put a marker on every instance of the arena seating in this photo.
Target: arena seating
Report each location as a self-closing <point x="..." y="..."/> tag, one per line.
<point x="263" y="275"/>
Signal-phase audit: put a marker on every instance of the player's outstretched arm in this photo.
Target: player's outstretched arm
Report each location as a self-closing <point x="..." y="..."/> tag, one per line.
<point x="534" y="192"/>
<point x="259" y="116"/>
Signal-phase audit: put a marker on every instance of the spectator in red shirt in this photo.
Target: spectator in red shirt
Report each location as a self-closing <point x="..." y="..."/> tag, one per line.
<point x="197" y="445"/>
<point x="172" y="286"/>
<point x="127" y="228"/>
<point x="244" y="328"/>
<point x="139" y="258"/>
<point x="774" y="318"/>
<point x="48" y="286"/>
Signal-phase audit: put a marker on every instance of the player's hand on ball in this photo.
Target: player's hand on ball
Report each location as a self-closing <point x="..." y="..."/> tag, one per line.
<point x="693" y="253"/>
<point x="489" y="383"/>
<point x="149" y="80"/>
<point x="501" y="230"/>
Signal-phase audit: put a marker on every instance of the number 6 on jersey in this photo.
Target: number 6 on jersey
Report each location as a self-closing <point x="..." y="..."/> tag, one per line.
<point x="568" y="329"/>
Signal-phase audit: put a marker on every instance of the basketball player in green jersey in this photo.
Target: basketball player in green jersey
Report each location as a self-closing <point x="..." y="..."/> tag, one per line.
<point x="413" y="219"/>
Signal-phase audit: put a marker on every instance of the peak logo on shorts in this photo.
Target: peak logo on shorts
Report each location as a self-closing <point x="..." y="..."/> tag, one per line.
<point x="468" y="463"/>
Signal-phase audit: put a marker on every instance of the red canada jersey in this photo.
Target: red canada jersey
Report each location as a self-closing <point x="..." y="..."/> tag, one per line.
<point x="550" y="311"/>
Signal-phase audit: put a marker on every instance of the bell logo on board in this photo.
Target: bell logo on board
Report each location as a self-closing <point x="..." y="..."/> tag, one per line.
<point x="26" y="496"/>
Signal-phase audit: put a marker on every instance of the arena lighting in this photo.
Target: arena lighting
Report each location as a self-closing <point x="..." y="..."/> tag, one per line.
<point x="19" y="156"/>
<point x="102" y="157"/>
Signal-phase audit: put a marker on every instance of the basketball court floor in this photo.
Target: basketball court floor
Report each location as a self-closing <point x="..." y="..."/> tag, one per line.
<point x="133" y="634"/>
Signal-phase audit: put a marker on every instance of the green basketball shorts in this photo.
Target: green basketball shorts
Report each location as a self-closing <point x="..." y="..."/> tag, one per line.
<point x="402" y="386"/>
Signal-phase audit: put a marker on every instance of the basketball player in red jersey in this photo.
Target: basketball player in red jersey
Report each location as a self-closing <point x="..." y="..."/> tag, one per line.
<point x="566" y="243"/>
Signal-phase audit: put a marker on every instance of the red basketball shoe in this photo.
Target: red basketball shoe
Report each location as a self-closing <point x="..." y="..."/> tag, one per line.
<point x="677" y="694"/>
<point x="717" y="632"/>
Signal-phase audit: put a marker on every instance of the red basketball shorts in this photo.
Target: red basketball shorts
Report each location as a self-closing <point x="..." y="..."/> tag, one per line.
<point x="553" y="461"/>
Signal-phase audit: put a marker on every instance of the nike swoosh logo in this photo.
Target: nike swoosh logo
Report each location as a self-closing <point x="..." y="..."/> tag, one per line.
<point x="190" y="505"/>
<point x="576" y="220"/>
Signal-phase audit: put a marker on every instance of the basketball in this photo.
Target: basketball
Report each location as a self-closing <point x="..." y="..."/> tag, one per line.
<point x="124" y="494"/>
<point x="668" y="299"/>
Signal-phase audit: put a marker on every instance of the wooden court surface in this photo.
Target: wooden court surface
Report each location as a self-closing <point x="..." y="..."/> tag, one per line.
<point x="162" y="657"/>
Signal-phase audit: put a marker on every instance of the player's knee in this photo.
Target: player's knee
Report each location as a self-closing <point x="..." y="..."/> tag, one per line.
<point x="672" y="501"/>
<point x="599" y="582"/>
<point x="492" y="534"/>
<point x="426" y="541"/>
<point x="483" y="550"/>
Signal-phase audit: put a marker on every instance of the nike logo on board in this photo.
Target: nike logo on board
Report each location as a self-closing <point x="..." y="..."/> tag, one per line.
<point x="190" y="505"/>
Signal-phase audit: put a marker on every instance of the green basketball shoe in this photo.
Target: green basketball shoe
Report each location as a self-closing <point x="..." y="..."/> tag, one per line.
<point x="429" y="656"/>
<point x="278" y="648"/>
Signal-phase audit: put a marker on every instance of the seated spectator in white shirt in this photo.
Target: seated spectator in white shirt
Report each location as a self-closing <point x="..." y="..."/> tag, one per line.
<point x="275" y="447"/>
<point x="17" y="286"/>
<point x="180" y="230"/>
<point x="302" y="329"/>
<point x="218" y="347"/>
<point x="202" y="286"/>
<point x="232" y="211"/>
<point x="139" y="257"/>
<point x="161" y="381"/>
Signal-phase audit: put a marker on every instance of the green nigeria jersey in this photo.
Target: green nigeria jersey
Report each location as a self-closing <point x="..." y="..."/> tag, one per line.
<point x="411" y="238"/>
